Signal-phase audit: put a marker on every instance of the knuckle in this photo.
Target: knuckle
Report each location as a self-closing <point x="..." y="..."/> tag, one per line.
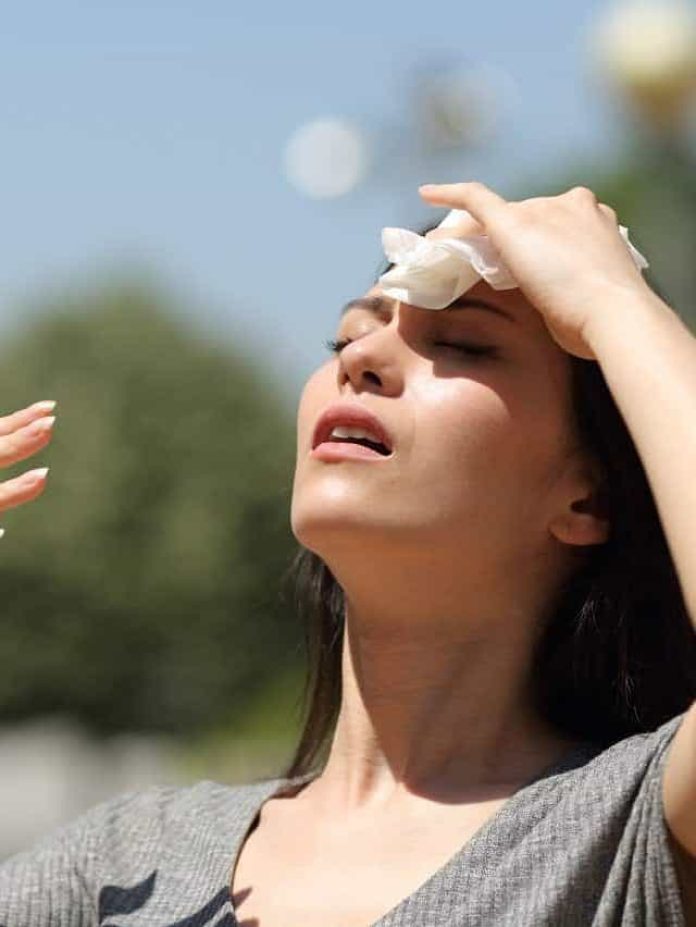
<point x="34" y="431"/>
<point x="21" y="444"/>
<point x="583" y="193"/>
<point x="8" y="452"/>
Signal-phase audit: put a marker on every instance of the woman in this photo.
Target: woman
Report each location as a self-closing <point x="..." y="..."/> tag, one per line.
<point x="507" y="731"/>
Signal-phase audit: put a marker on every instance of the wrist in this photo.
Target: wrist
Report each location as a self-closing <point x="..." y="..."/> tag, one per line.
<point x="621" y="311"/>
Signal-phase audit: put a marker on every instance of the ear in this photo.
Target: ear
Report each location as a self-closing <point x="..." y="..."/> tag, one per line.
<point x="584" y="518"/>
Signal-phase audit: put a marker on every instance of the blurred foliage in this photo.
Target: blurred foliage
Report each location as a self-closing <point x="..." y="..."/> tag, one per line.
<point x="260" y="742"/>
<point x="144" y="589"/>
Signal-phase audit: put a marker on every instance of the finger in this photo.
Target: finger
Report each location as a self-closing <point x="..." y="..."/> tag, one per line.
<point x="22" y="488"/>
<point x="461" y="230"/>
<point x="456" y="224"/>
<point x="26" y="441"/>
<point x="10" y="423"/>
<point x="478" y="199"/>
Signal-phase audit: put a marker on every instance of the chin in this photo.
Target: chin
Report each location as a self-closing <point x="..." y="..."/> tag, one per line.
<point x="322" y="527"/>
<point x="334" y="531"/>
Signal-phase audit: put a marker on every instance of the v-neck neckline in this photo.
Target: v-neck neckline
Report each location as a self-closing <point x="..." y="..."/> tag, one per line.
<point x="266" y="790"/>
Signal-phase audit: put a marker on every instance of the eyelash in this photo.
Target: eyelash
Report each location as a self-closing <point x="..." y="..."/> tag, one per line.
<point x="474" y="350"/>
<point x="336" y="346"/>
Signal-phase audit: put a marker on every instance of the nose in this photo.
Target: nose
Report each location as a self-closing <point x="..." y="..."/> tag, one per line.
<point x="374" y="361"/>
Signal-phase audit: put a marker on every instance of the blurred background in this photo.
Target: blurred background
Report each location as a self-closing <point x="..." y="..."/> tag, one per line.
<point x="189" y="194"/>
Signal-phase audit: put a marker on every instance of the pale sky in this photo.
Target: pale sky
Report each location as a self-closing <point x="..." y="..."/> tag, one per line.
<point x="154" y="132"/>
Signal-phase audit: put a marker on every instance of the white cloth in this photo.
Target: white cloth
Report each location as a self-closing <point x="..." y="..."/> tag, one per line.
<point x="431" y="273"/>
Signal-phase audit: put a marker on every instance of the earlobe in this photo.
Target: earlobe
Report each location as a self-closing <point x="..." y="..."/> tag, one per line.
<point x="582" y="525"/>
<point x="585" y="507"/>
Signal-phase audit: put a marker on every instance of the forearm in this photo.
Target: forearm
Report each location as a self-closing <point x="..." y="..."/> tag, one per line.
<point x="648" y="358"/>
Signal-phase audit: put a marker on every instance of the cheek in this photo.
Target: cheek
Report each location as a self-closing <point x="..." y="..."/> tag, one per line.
<point x="461" y="430"/>
<point x="477" y="447"/>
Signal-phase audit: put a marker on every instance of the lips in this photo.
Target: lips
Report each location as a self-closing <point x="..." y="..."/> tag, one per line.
<point x="349" y="414"/>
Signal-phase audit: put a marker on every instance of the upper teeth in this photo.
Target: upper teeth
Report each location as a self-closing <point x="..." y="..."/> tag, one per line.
<point x="344" y="431"/>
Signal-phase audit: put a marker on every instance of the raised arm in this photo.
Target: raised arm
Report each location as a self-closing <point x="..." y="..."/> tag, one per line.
<point x="570" y="261"/>
<point x="653" y="381"/>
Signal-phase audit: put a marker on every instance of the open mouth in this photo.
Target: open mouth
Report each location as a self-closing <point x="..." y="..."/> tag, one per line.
<point x="373" y="445"/>
<point x="348" y="435"/>
<point x="349" y="423"/>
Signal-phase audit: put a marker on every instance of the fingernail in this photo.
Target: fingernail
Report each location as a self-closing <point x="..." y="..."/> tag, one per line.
<point x="46" y="405"/>
<point x="33" y="476"/>
<point x="427" y="186"/>
<point x="41" y="425"/>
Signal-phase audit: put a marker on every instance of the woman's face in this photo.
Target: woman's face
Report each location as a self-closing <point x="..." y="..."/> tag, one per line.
<point x="479" y="443"/>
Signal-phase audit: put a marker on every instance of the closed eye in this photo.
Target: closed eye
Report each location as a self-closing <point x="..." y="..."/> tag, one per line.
<point x="337" y="346"/>
<point x="477" y="350"/>
<point x="474" y="350"/>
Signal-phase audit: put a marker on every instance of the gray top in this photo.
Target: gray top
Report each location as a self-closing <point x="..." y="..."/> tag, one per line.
<point x="584" y="843"/>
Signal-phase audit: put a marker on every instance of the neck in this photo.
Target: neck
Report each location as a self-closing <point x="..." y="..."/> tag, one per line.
<point x="436" y="699"/>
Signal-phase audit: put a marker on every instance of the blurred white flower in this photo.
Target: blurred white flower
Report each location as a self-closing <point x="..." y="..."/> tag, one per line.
<point x="648" y="47"/>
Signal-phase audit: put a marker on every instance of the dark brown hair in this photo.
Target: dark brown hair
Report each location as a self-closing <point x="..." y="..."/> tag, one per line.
<point x="617" y="655"/>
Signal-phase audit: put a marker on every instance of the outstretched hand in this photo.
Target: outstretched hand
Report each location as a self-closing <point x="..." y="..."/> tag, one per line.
<point x="565" y="252"/>
<point x="23" y="434"/>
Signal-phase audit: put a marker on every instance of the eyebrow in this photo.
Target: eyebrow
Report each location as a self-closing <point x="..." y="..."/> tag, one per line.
<point x="380" y="305"/>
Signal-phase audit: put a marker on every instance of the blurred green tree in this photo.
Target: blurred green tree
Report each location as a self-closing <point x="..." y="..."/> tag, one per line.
<point x="144" y="590"/>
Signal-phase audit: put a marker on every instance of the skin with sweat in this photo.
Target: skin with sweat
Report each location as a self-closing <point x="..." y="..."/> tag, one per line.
<point x="448" y="551"/>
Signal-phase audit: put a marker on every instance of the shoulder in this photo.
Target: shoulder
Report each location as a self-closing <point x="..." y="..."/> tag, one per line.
<point x="151" y="829"/>
<point x="632" y="757"/>
<point x="603" y="827"/>
<point x="647" y="742"/>
<point x="163" y="808"/>
<point x="119" y="854"/>
<point x="141" y="815"/>
<point x="152" y="836"/>
<point x="619" y="786"/>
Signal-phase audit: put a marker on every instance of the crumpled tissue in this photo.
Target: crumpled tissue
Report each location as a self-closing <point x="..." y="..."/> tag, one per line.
<point x="432" y="273"/>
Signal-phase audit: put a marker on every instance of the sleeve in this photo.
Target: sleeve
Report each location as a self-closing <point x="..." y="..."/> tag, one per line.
<point x="653" y="893"/>
<point x="56" y="882"/>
